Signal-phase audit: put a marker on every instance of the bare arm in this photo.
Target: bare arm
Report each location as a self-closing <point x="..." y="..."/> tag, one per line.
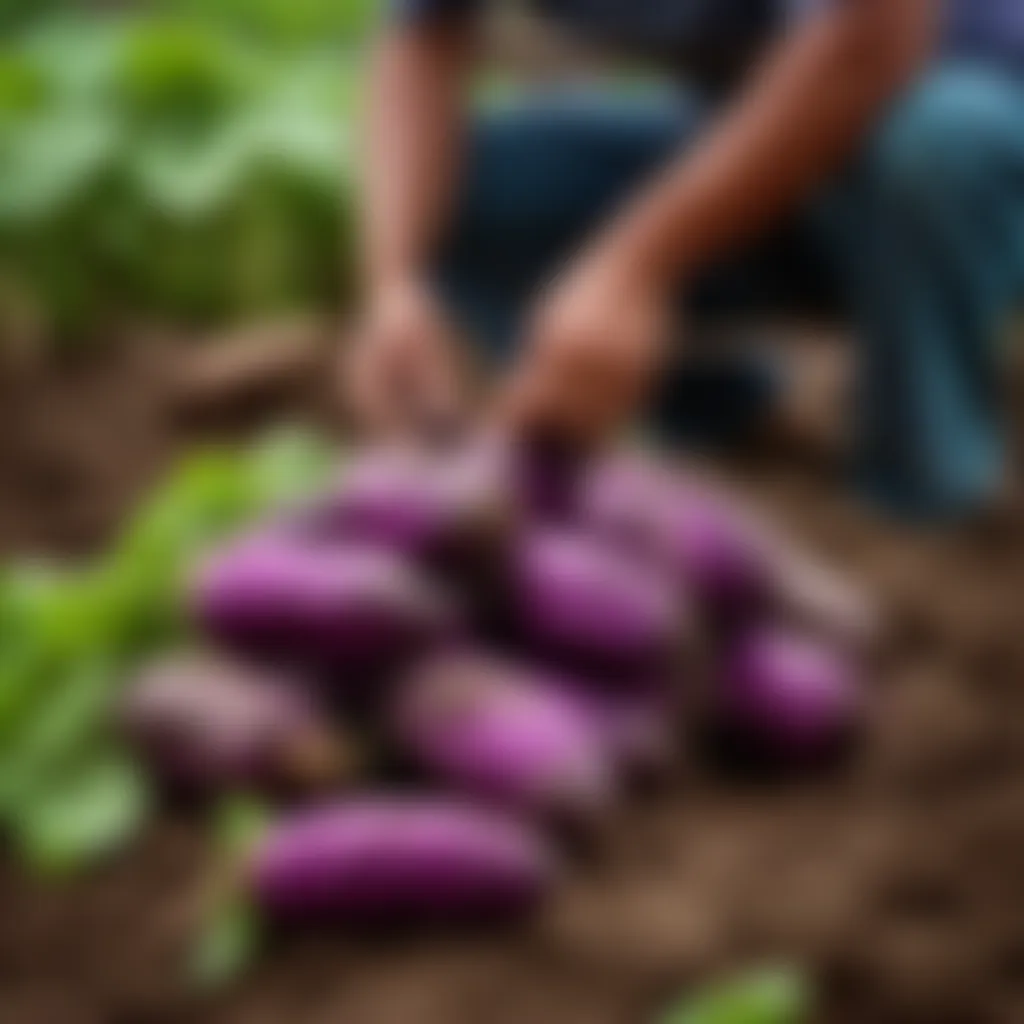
<point x="809" y="104"/>
<point x="401" y="371"/>
<point x="413" y="129"/>
<point x="599" y="336"/>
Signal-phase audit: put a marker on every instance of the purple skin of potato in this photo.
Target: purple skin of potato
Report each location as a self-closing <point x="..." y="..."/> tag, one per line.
<point x="498" y="732"/>
<point x="790" y="697"/>
<point x="547" y="477"/>
<point x="343" y="607"/>
<point x="721" y="555"/>
<point x="735" y="565"/>
<point x="579" y="600"/>
<point x="381" y="860"/>
<point x="692" y="532"/>
<point x="423" y="505"/>
<point x="208" y="722"/>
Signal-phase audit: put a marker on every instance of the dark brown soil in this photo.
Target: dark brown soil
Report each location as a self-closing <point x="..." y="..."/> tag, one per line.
<point x="899" y="882"/>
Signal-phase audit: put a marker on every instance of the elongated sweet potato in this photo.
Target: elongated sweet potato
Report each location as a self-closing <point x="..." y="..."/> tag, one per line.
<point x="213" y="723"/>
<point x="350" y="608"/>
<point x="588" y="605"/>
<point x="496" y="730"/>
<point x="377" y="860"/>
<point x="787" y="697"/>
<point x="691" y="532"/>
<point x="442" y="508"/>
<point x="735" y="564"/>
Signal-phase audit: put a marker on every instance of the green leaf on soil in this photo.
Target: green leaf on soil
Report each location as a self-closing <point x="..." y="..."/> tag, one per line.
<point x="231" y="934"/>
<point x="288" y="464"/>
<point x="239" y="822"/>
<point x="775" y="995"/>
<point x="57" y="732"/>
<point x="69" y="638"/>
<point x="229" y="943"/>
<point x="93" y="813"/>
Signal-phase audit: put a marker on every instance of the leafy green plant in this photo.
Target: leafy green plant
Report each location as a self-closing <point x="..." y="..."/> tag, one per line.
<point x="775" y="995"/>
<point x="168" y="167"/>
<point x="69" y="637"/>
<point x="231" y="931"/>
<point x="296" y="21"/>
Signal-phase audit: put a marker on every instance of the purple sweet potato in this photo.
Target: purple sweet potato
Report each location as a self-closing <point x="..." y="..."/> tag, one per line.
<point x="788" y="697"/>
<point x="590" y="606"/>
<point x="497" y="731"/>
<point x="211" y="723"/>
<point x="735" y="564"/>
<point x="380" y="860"/>
<point x="350" y="608"/>
<point x="687" y="529"/>
<point x="546" y="474"/>
<point x="436" y="507"/>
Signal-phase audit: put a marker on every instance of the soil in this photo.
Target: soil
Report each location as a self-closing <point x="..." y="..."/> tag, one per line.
<point x="898" y="881"/>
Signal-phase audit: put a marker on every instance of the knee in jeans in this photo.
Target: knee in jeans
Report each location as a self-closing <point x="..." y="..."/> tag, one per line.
<point x="942" y="137"/>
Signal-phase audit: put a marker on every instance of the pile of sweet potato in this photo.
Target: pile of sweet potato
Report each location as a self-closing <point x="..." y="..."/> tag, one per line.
<point x="523" y="638"/>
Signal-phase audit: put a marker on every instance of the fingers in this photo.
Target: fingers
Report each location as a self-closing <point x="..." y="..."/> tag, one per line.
<point x="581" y="386"/>
<point x="401" y="381"/>
<point x="436" y="392"/>
<point x="366" y="374"/>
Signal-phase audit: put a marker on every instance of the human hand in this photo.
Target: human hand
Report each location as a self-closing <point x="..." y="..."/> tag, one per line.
<point x="594" y="344"/>
<point x="400" y="372"/>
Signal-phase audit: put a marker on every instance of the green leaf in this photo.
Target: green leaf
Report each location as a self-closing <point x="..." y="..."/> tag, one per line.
<point x="776" y="995"/>
<point x="53" y="162"/>
<point x="50" y="623"/>
<point x="91" y="814"/>
<point x="232" y="934"/>
<point x="195" y="178"/>
<point x="23" y="88"/>
<point x="229" y="942"/>
<point x="206" y="494"/>
<point x="288" y="464"/>
<point x="76" y="55"/>
<point x="239" y="822"/>
<point x="309" y="144"/>
<point x="58" y="730"/>
<point x="176" y="72"/>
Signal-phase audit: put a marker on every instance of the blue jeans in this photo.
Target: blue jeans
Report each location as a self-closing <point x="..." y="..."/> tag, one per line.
<point x="920" y="242"/>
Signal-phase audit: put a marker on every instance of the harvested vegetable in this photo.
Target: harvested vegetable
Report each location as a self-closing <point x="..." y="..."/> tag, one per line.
<point x="213" y="723"/>
<point x="783" y="695"/>
<point x="497" y="731"/>
<point x="350" y="608"/>
<point x="581" y="602"/>
<point x="377" y="860"/>
<point x="735" y="564"/>
<point x="546" y="475"/>
<point x="692" y="533"/>
<point x="442" y="508"/>
<point x="73" y="635"/>
<point x="767" y="995"/>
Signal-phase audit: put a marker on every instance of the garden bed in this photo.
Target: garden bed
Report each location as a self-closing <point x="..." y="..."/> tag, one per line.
<point x="897" y="882"/>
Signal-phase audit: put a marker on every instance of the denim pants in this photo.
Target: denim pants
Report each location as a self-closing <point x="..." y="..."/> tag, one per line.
<point x="919" y="242"/>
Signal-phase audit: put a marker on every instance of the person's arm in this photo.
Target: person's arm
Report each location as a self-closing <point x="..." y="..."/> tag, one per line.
<point x="403" y="353"/>
<point x="812" y="101"/>
<point x="803" y="111"/>
<point x="414" y="121"/>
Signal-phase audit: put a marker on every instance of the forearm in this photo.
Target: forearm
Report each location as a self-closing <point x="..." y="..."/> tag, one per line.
<point x="810" y="103"/>
<point x="411" y="148"/>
